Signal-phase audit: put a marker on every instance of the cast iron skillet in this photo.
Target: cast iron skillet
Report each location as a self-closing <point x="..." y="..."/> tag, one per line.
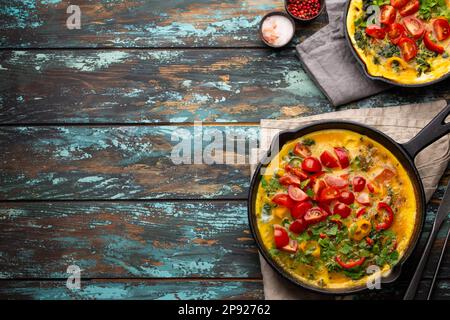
<point x="405" y="153"/>
<point x="364" y="67"/>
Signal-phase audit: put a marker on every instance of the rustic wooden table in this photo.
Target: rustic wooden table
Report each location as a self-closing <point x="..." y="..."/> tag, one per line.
<point x="85" y="139"/>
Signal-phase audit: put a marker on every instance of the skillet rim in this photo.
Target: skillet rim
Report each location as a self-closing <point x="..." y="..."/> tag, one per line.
<point x="363" y="66"/>
<point x="299" y="132"/>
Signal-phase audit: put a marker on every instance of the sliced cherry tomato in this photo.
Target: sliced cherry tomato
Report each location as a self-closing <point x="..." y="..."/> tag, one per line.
<point x="346" y="197"/>
<point x="325" y="207"/>
<point x="388" y="14"/>
<point x="408" y="48"/>
<point x="371" y="187"/>
<point x="318" y="187"/>
<point x="398" y="3"/>
<point x="283" y="199"/>
<point x="395" y="32"/>
<point x="299" y="209"/>
<point x="441" y="28"/>
<point x="298" y="226"/>
<point x="369" y="241"/>
<point x="361" y="212"/>
<point x="316" y="175"/>
<point x="289" y="179"/>
<point x="297" y="194"/>
<point x="336" y="182"/>
<point x="299" y="173"/>
<point x="315" y="215"/>
<point x="358" y="184"/>
<point x="410" y="8"/>
<point x="363" y="198"/>
<point x="302" y="150"/>
<point x="280" y="236"/>
<point x="431" y="45"/>
<point x="291" y="247"/>
<point x="341" y="209"/>
<point x="376" y="31"/>
<point x="388" y="217"/>
<point x="350" y="264"/>
<point x="322" y="235"/>
<point x="311" y="164"/>
<point x="414" y="26"/>
<point x="328" y="194"/>
<point x="328" y="160"/>
<point x="342" y="155"/>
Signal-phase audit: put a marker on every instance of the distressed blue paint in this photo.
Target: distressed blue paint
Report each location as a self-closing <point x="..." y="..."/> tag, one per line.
<point x="199" y="290"/>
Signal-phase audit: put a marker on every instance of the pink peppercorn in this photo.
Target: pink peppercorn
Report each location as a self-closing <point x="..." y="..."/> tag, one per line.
<point x="304" y="9"/>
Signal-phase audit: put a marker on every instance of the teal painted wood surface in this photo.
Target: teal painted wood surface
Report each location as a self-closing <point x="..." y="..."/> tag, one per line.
<point x="139" y="240"/>
<point x="131" y="162"/>
<point x="138" y="23"/>
<point x="183" y="289"/>
<point x="109" y="197"/>
<point x="127" y="239"/>
<point x="134" y="289"/>
<point x="168" y="86"/>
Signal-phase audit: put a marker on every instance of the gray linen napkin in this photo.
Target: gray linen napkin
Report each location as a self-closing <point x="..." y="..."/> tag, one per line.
<point x="401" y="123"/>
<point x="326" y="57"/>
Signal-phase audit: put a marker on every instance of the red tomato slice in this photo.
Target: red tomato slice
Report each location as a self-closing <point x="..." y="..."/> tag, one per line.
<point x="325" y="207"/>
<point x="318" y="187"/>
<point x="398" y="3"/>
<point x="298" y="226"/>
<point x="361" y="212"/>
<point x="342" y="210"/>
<point x="289" y="179"/>
<point x="371" y="187"/>
<point x="302" y="150"/>
<point x="315" y="215"/>
<point x="441" y="28"/>
<point x="395" y="32"/>
<point x="300" y="208"/>
<point x="328" y="160"/>
<point x="280" y="236"/>
<point x="328" y="194"/>
<point x="299" y="173"/>
<point x="297" y="194"/>
<point x="347" y="197"/>
<point x="358" y="184"/>
<point x="408" y="48"/>
<point x="376" y="32"/>
<point x="311" y="164"/>
<point x="431" y="45"/>
<point x="410" y="8"/>
<point x="342" y="155"/>
<point x="291" y="247"/>
<point x="388" y="14"/>
<point x="336" y="182"/>
<point x="283" y="199"/>
<point x="414" y="26"/>
<point x="363" y="198"/>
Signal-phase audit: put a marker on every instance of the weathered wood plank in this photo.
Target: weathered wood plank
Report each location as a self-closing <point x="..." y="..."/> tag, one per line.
<point x="141" y="86"/>
<point x="183" y="289"/>
<point x="138" y="239"/>
<point x="133" y="289"/>
<point x="126" y="239"/>
<point x="138" y="23"/>
<point x="131" y="162"/>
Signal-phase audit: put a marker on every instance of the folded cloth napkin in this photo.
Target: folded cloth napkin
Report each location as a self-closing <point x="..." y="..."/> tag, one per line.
<point x="400" y="123"/>
<point x="328" y="60"/>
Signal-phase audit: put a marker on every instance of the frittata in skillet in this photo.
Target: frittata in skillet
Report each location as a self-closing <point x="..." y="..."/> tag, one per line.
<point x="406" y="41"/>
<point x="333" y="203"/>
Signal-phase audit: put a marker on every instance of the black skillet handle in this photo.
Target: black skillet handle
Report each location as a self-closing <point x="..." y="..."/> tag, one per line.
<point x="434" y="130"/>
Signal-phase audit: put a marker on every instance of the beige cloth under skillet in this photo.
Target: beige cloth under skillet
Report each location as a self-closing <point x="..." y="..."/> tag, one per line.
<point x="401" y="123"/>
